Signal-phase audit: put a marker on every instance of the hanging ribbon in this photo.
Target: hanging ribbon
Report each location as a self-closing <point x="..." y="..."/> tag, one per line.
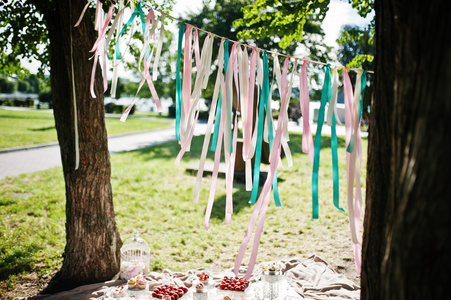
<point x="186" y="85"/>
<point x="194" y="111"/>
<point x="99" y="45"/>
<point x="159" y="48"/>
<point x="230" y="137"/>
<point x="248" y="150"/>
<point x="146" y="57"/>
<point x="325" y="96"/>
<point x="214" y="175"/>
<point x="352" y="165"/>
<point x="260" y="208"/>
<point x="178" y="82"/>
<point x="259" y="143"/>
<point x="304" y="99"/>
<point x="333" y="140"/>
<point x="116" y="24"/>
<point x="219" y="84"/>
<point x="362" y="92"/>
<point x="214" y="142"/>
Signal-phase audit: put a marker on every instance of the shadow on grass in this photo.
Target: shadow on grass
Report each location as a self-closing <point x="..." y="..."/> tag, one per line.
<point x="170" y="150"/>
<point x="42" y="128"/>
<point x="18" y="262"/>
<point x="295" y="142"/>
<point x="240" y="201"/>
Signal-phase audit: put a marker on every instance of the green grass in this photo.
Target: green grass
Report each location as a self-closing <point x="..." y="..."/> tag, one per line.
<point x="23" y="128"/>
<point x="154" y="197"/>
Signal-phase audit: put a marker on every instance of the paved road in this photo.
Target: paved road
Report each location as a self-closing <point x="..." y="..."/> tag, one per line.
<point x="40" y="157"/>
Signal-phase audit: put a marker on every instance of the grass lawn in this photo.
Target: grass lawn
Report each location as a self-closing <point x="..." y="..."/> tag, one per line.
<point x="154" y="197"/>
<point x="22" y="128"/>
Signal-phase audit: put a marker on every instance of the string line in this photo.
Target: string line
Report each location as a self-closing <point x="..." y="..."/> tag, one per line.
<point x="260" y="49"/>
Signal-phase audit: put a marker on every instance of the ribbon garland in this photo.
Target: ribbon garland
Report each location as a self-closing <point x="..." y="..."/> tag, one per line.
<point x="250" y="75"/>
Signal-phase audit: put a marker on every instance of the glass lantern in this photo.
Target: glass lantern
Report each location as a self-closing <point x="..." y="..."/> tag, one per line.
<point x="272" y="276"/>
<point x="135" y="257"/>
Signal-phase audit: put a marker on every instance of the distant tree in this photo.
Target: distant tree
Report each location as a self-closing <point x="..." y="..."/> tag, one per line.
<point x="34" y="82"/>
<point x="7" y="86"/>
<point x="23" y="86"/>
<point x="230" y="19"/>
<point x="356" y="50"/>
<point x="45" y="95"/>
<point x="355" y="42"/>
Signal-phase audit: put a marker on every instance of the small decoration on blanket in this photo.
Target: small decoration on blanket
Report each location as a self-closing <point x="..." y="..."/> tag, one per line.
<point x="119" y="293"/>
<point x="204" y="277"/>
<point x="271" y="276"/>
<point x="200" y="288"/>
<point x="233" y="284"/>
<point x="169" y="290"/>
<point x="272" y="269"/>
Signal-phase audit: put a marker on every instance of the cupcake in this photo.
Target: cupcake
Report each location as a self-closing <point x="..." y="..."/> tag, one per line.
<point x="200" y="288"/>
<point x="142" y="283"/>
<point x="131" y="283"/>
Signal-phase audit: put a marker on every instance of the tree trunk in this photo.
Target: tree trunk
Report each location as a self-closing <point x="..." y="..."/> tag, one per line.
<point x="407" y="226"/>
<point x="92" y="252"/>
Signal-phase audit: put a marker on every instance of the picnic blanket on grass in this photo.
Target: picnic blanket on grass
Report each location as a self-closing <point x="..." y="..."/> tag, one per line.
<point x="308" y="278"/>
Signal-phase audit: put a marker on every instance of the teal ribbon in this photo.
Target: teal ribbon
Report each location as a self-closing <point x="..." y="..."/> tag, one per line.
<point x="258" y="151"/>
<point x="335" y="177"/>
<point x="362" y="93"/>
<point x="218" y="109"/>
<point x="178" y="82"/>
<point x="325" y="97"/>
<point x="130" y="20"/>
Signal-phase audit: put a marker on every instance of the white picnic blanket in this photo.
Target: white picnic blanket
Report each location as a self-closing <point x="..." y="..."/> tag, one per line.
<point x="305" y="278"/>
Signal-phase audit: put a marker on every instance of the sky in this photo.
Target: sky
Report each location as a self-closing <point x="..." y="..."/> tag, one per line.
<point x="340" y="13"/>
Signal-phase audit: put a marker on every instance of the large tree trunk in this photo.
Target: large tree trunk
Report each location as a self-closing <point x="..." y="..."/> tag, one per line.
<point x="407" y="229"/>
<point x="92" y="252"/>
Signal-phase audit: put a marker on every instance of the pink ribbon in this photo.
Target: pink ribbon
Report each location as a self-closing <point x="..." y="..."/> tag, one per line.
<point x="99" y="45"/>
<point x="145" y="74"/>
<point x="353" y="166"/>
<point x="260" y="209"/>
<point x="186" y="86"/>
<point x="307" y="140"/>
<point x="219" y="84"/>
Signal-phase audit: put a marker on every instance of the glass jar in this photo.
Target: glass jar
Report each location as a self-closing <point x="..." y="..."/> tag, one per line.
<point x="135" y="257"/>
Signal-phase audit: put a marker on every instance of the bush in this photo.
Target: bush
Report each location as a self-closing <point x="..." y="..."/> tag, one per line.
<point x="113" y="108"/>
<point x="45" y="95"/>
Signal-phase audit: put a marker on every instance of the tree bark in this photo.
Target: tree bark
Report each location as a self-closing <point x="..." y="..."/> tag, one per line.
<point x="92" y="252"/>
<point x="407" y="226"/>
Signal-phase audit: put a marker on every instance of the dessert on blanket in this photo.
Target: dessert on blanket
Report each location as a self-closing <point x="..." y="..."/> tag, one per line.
<point x="169" y="290"/>
<point x="131" y="283"/>
<point x="233" y="284"/>
<point x="271" y="269"/>
<point x="204" y="277"/>
<point x="142" y="283"/>
<point x="119" y="293"/>
<point x="200" y="288"/>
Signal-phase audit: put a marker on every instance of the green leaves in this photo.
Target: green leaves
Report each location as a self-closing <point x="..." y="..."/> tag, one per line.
<point x="359" y="60"/>
<point x="284" y="19"/>
<point x="23" y="34"/>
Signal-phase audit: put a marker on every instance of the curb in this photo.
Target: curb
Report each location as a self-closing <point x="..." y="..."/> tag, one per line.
<point x="29" y="147"/>
<point x="37" y="146"/>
